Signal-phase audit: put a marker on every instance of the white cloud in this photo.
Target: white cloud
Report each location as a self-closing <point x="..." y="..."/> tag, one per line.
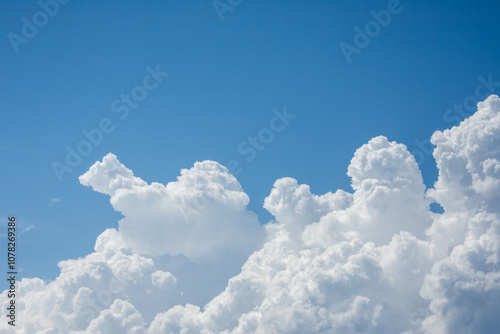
<point x="29" y="228"/>
<point x="374" y="261"/>
<point x="53" y="201"/>
<point x="203" y="214"/>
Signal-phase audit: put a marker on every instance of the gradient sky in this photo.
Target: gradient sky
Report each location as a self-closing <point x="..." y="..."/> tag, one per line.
<point x="225" y="79"/>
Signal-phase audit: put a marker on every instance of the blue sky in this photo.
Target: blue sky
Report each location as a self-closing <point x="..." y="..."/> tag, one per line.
<point x="225" y="78"/>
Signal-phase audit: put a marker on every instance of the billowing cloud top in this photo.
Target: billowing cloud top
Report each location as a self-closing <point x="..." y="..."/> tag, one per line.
<point x="189" y="257"/>
<point x="202" y="214"/>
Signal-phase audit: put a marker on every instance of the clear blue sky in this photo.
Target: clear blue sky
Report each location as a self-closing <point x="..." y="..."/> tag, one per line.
<point x="225" y="78"/>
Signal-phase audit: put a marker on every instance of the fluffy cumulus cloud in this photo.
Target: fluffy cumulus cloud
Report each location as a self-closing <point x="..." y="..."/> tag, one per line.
<point x="189" y="257"/>
<point x="203" y="214"/>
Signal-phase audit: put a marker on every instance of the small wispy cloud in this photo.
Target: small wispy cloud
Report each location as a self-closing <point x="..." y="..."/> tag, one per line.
<point x="54" y="200"/>
<point x="28" y="228"/>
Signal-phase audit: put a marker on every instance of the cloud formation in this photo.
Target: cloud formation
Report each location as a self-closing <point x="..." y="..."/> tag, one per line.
<point x="202" y="214"/>
<point x="189" y="257"/>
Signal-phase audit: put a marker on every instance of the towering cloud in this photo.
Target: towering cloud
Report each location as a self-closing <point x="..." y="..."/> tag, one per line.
<point x="189" y="257"/>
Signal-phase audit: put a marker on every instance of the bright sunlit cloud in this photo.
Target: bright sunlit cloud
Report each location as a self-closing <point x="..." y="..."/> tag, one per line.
<point x="189" y="257"/>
